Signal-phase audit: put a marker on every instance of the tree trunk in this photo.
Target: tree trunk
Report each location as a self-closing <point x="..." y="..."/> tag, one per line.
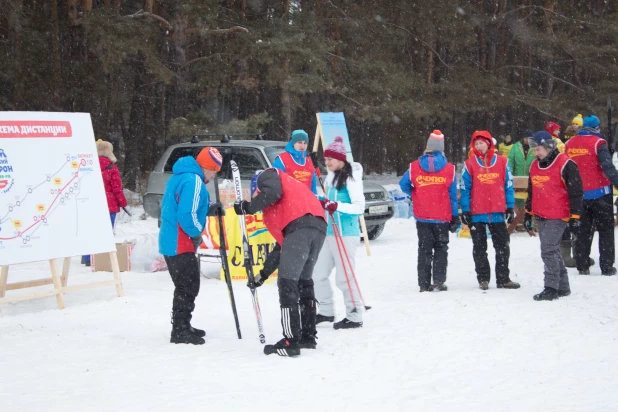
<point x="15" y="29"/>
<point x="286" y="101"/>
<point x="148" y="5"/>
<point x="56" y="58"/>
<point x="431" y="62"/>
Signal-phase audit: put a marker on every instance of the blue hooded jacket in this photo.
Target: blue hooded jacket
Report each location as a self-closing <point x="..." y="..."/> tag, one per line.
<point x="184" y="208"/>
<point x="439" y="163"/>
<point x="300" y="158"/>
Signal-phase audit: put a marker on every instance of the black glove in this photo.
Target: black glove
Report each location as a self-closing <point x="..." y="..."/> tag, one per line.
<point x="197" y="241"/>
<point x="216" y="209"/>
<point x="466" y="218"/>
<point x="574" y="223"/>
<point x="528" y="224"/>
<point x="510" y="215"/>
<point x="314" y="158"/>
<point x="242" y="207"/>
<point x="258" y="280"/>
<point x="454" y="224"/>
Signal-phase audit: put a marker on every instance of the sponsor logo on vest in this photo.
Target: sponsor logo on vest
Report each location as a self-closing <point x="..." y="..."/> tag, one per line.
<point x="302" y="175"/>
<point x="422" y="180"/>
<point x="577" y="152"/>
<point x="488" y="178"/>
<point x="539" y="181"/>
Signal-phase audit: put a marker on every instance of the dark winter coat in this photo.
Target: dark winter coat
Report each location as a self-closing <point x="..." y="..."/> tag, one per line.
<point x="570" y="176"/>
<point x="113" y="185"/>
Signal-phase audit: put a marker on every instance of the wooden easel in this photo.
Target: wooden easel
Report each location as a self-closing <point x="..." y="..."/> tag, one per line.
<point x="319" y="137"/>
<point x="59" y="282"/>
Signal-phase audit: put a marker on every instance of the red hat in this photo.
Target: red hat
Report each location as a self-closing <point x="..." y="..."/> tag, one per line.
<point x="551" y="127"/>
<point x="483" y="135"/>
<point x="336" y="150"/>
<point x="210" y="158"/>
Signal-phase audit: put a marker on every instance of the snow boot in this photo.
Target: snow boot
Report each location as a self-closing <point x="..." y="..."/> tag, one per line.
<point x="508" y="285"/>
<point x="308" y="342"/>
<point x="609" y="272"/>
<point x="563" y="293"/>
<point x="307" y="308"/>
<point x="440" y="287"/>
<point x="565" y="251"/>
<point x="484" y="285"/>
<point x="584" y="272"/>
<point x="347" y="324"/>
<point x="428" y="288"/>
<point x="197" y="332"/>
<point x="321" y="318"/>
<point x="547" y="294"/>
<point x="181" y="333"/>
<point x="284" y="347"/>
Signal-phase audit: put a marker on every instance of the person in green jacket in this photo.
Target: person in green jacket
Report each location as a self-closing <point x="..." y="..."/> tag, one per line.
<point x="520" y="158"/>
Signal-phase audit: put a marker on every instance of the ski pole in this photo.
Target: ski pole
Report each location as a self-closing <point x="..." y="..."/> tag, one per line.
<point x="127" y="212"/>
<point x="226" y="268"/>
<point x="345" y="271"/>
<point x="337" y="233"/>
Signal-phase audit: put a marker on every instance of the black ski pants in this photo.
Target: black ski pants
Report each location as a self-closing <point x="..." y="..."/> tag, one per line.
<point x="600" y="213"/>
<point x="299" y="253"/>
<point x="500" y="239"/>
<point x="432" y="252"/>
<point x="185" y="272"/>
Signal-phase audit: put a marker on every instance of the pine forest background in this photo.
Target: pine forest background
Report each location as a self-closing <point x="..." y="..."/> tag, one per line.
<point x="152" y="72"/>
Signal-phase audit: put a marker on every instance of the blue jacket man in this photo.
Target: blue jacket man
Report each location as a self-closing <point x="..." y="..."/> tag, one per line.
<point x="185" y="205"/>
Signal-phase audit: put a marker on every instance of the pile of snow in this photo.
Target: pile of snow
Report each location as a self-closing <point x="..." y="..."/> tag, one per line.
<point x="462" y="350"/>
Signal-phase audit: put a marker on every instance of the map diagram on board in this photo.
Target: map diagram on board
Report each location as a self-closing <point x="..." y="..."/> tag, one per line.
<point x="52" y="199"/>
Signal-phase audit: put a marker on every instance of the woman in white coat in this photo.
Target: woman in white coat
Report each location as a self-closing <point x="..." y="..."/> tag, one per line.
<point x="344" y="201"/>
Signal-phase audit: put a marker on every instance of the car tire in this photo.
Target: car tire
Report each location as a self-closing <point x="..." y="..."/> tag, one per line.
<point x="375" y="231"/>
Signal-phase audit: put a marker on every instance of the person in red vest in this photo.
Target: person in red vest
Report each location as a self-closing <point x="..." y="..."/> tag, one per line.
<point x="432" y="185"/>
<point x="555" y="199"/>
<point x="295" y="162"/>
<point x="589" y="151"/>
<point x="487" y="195"/>
<point x="295" y="218"/>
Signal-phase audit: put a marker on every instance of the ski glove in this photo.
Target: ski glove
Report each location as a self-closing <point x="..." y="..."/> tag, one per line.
<point x="466" y="218"/>
<point x="197" y="241"/>
<point x="528" y="224"/>
<point x="510" y="215"/>
<point x="242" y="208"/>
<point x="216" y="209"/>
<point x="258" y="280"/>
<point x="574" y="223"/>
<point x="454" y="224"/>
<point x="329" y="206"/>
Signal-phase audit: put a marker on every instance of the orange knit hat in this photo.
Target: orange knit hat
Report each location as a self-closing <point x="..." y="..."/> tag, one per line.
<point x="210" y="158"/>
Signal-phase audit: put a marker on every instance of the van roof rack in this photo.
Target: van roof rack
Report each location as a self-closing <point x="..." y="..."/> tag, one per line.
<point x="226" y="137"/>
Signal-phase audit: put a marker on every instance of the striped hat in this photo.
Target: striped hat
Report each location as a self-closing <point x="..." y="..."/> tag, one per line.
<point x="579" y="119"/>
<point x="435" y="143"/>
<point x="210" y="158"/>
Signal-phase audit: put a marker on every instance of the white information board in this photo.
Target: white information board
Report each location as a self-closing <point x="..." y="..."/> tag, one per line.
<point x="52" y="198"/>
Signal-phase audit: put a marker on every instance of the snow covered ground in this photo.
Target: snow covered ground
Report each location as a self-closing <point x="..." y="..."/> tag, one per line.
<point x="461" y="350"/>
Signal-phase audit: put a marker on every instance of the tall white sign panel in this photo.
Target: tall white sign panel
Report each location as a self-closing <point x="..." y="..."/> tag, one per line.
<point x="52" y="199"/>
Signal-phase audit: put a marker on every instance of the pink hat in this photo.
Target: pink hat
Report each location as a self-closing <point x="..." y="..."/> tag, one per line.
<point x="336" y="150"/>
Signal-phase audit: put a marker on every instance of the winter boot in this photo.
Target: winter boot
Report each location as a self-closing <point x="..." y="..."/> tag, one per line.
<point x="181" y="333"/>
<point x="609" y="272"/>
<point x="308" y="342"/>
<point x="197" y="332"/>
<point x="428" y="288"/>
<point x="347" y="324"/>
<point x="508" y="285"/>
<point x="483" y="285"/>
<point x="440" y="287"/>
<point x="584" y="272"/>
<point x="563" y="293"/>
<point x="321" y="318"/>
<point x="284" y="347"/>
<point x="565" y="250"/>
<point x="547" y="294"/>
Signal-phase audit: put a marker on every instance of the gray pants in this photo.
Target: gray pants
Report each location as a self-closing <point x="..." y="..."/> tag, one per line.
<point x="329" y="259"/>
<point x="550" y="233"/>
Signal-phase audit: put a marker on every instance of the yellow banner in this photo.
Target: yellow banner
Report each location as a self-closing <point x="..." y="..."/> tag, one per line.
<point x="260" y="241"/>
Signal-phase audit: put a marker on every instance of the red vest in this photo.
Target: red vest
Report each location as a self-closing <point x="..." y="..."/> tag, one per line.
<point x="550" y="198"/>
<point x="303" y="174"/>
<point x="295" y="201"/>
<point x="487" y="195"/>
<point x="430" y="194"/>
<point x="583" y="151"/>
